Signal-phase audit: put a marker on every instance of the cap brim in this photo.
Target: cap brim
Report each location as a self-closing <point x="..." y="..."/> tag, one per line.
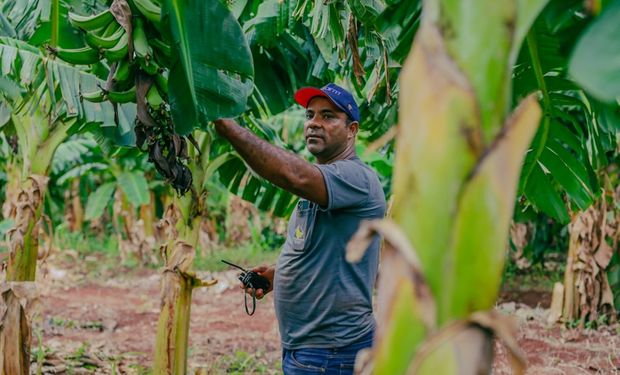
<point x="304" y="94"/>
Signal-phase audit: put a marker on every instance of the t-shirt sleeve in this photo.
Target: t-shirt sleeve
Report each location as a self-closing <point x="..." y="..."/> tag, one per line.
<point x="346" y="182"/>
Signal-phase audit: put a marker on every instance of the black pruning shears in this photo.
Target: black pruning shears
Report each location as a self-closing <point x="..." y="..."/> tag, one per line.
<point x="250" y="279"/>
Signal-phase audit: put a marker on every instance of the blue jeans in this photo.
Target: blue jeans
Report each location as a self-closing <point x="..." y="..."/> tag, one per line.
<point x="331" y="361"/>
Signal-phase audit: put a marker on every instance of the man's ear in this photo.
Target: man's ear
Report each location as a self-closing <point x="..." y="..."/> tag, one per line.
<point x="354" y="127"/>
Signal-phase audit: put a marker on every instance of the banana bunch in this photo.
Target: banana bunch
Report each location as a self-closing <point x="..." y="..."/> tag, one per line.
<point x="104" y="37"/>
<point x="139" y="57"/>
<point x="107" y="40"/>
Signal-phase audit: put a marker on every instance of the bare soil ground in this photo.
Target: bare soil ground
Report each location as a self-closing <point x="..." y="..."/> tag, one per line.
<point x="105" y="323"/>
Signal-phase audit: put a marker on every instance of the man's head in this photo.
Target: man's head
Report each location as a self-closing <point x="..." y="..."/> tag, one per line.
<point x="332" y="121"/>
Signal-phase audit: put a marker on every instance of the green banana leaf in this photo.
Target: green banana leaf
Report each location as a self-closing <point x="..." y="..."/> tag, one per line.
<point x="10" y="89"/>
<point x="135" y="187"/>
<point x="544" y="196"/>
<point x="24" y="65"/>
<point x="595" y="61"/>
<point x="81" y="170"/>
<point x="212" y="77"/>
<point x="240" y="180"/>
<point x="98" y="201"/>
<point x="577" y="131"/>
<point x="270" y="22"/>
<point x="6" y="29"/>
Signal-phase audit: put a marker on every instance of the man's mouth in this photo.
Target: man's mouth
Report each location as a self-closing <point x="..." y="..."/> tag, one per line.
<point x="313" y="137"/>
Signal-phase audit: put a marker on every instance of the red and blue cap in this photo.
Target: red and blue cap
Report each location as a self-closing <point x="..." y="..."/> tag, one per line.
<point x="339" y="96"/>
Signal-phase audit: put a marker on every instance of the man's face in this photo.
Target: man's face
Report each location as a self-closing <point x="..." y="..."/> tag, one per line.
<point x="326" y="130"/>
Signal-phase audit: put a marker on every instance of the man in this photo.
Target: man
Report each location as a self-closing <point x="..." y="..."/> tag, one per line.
<point x="322" y="302"/>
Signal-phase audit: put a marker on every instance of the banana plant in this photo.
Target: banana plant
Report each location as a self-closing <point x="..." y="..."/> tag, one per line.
<point x="102" y="171"/>
<point x="577" y="132"/>
<point x="446" y="259"/>
<point x="74" y="158"/>
<point x="565" y="172"/>
<point x="45" y="108"/>
<point x="181" y="72"/>
<point x="587" y="292"/>
<point x="123" y="182"/>
<point x="44" y="113"/>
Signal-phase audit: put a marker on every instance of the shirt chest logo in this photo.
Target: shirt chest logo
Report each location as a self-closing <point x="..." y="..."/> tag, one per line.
<point x="299" y="234"/>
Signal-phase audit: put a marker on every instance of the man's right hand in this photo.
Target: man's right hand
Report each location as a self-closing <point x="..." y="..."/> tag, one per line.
<point x="266" y="272"/>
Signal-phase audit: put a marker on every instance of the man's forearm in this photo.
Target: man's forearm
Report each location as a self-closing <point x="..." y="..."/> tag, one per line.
<point x="279" y="166"/>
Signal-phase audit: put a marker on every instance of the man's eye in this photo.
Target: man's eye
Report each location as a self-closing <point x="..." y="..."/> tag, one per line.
<point x="308" y="116"/>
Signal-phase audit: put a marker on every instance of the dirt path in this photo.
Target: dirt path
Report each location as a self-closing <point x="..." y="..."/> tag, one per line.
<point x="113" y="323"/>
<point x="107" y="325"/>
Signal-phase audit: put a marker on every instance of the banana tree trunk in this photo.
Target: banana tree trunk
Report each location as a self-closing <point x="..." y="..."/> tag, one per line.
<point x="458" y="159"/>
<point x="74" y="211"/>
<point x="38" y="141"/>
<point x="147" y="214"/>
<point x="18" y="291"/>
<point x="180" y="227"/>
<point x="22" y="238"/>
<point x="176" y="295"/>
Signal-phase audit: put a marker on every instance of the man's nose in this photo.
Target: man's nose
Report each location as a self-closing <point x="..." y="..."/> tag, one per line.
<point x="311" y="123"/>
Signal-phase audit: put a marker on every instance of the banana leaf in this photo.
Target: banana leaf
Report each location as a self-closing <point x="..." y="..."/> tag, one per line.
<point x="98" y="201"/>
<point x="135" y="187"/>
<point x="212" y="77"/>
<point x="27" y="67"/>
<point x="594" y="63"/>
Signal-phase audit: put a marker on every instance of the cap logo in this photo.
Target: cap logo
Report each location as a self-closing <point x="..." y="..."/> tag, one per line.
<point x="332" y="90"/>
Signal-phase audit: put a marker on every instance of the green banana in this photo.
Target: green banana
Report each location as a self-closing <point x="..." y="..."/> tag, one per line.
<point x="119" y="51"/>
<point x="154" y="98"/>
<point x="149" y="66"/>
<point x="150" y="10"/>
<point x="122" y="96"/>
<point x="91" y="23"/>
<point x="110" y="29"/>
<point x="78" y="56"/>
<point x="162" y="47"/>
<point x="102" y="95"/>
<point x="123" y="72"/>
<point x="105" y="42"/>
<point x="97" y="96"/>
<point x="140" y="42"/>
<point x="162" y="83"/>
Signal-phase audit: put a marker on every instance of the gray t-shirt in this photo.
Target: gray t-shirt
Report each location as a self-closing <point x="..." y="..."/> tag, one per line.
<point x="321" y="300"/>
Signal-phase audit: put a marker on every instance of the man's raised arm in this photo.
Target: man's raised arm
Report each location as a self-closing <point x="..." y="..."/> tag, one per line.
<point x="282" y="168"/>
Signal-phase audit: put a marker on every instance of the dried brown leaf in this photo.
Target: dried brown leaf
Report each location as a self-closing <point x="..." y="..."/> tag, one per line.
<point x="143" y="84"/>
<point x="181" y="257"/>
<point x="122" y="13"/>
<point x="16" y="301"/>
